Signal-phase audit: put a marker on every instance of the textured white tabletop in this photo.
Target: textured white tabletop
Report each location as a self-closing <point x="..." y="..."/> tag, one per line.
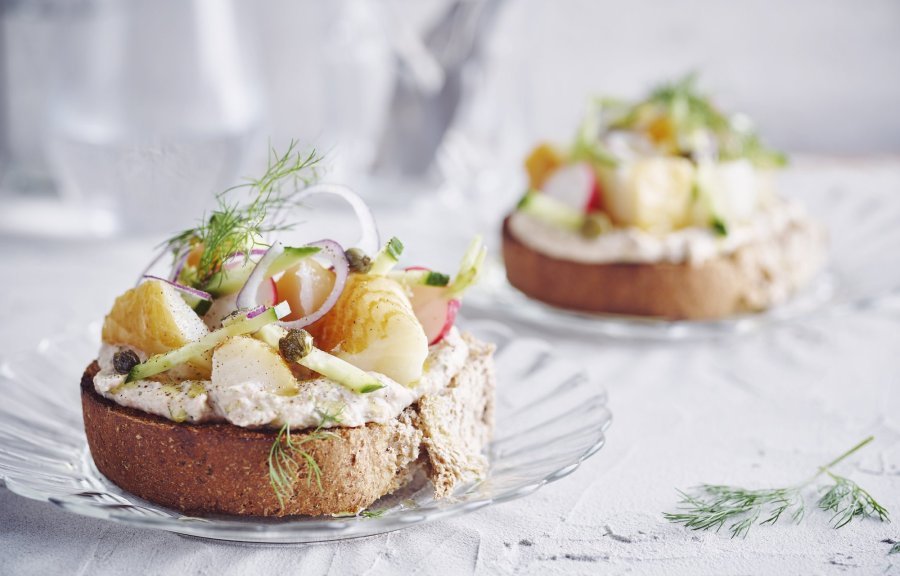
<point x="760" y="410"/>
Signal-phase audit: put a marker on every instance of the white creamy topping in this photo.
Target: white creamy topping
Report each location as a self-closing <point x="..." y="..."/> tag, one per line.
<point x="693" y="245"/>
<point x="186" y="401"/>
<point x="251" y="400"/>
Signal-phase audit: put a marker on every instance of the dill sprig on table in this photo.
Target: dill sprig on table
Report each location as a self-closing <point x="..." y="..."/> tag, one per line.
<point x="712" y="506"/>
<point x="235" y="226"/>
<point x="287" y="457"/>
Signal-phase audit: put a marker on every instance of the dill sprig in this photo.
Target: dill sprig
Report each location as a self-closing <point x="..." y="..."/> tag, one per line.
<point x="847" y="501"/>
<point x="287" y="457"/>
<point x="712" y="506"/>
<point x="235" y="226"/>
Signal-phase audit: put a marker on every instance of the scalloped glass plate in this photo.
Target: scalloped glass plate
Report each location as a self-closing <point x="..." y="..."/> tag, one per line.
<point x="859" y="206"/>
<point x="550" y="417"/>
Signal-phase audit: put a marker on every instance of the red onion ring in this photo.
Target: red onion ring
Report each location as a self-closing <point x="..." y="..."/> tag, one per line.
<point x="335" y="253"/>
<point x="232" y="259"/>
<point x="247" y="296"/>
<point x="368" y="241"/>
<point x="180" y="287"/>
<point x="256" y="312"/>
<point x="179" y="266"/>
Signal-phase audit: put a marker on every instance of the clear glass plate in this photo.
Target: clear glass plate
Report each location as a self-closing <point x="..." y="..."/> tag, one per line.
<point x="498" y="298"/>
<point x="550" y="417"/>
<point x="857" y="203"/>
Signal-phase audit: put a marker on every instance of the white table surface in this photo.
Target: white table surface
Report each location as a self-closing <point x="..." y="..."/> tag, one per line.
<point x="760" y="410"/>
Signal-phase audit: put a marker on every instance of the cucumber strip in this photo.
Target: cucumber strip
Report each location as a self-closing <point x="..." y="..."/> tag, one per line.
<point x="200" y="305"/>
<point x="341" y="371"/>
<point x="419" y="277"/>
<point x="469" y="268"/>
<point x="387" y="257"/>
<point x="226" y="282"/>
<point x="551" y="211"/>
<point x="328" y="365"/>
<point x="162" y="362"/>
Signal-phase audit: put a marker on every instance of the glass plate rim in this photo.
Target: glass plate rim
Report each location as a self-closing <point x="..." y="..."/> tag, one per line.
<point x="286" y="531"/>
<point x="502" y="300"/>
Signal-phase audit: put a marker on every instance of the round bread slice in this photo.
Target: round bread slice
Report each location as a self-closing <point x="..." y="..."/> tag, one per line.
<point x="203" y="469"/>
<point x="750" y="279"/>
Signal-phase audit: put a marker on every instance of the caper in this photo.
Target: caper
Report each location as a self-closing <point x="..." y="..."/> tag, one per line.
<point x="359" y="261"/>
<point x="295" y="345"/>
<point x="124" y="360"/>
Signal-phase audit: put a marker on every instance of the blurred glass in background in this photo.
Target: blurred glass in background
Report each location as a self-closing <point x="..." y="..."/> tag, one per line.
<point x="147" y="111"/>
<point x="137" y="112"/>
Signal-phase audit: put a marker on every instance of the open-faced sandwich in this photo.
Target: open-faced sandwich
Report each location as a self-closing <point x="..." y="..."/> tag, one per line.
<point x="664" y="208"/>
<point x="267" y="380"/>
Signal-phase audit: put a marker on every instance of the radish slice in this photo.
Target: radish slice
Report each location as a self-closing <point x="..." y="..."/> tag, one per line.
<point x="575" y="186"/>
<point x="452" y="309"/>
<point x="247" y="296"/>
<point x="335" y="254"/>
<point x="368" y="241"/>
<point x="435" y="311"/>
<point x="181" y="287"/>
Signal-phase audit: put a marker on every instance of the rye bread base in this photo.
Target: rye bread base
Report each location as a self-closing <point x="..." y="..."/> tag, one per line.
<point x="219" y="468"/>
<point x="715" y="289"/>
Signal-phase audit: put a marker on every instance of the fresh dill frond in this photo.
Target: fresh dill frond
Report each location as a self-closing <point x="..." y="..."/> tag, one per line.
<point x="717" y="505"/>
<point x="895" y="549"/>
<point x="847" y="501"/>
<point x="712" y="506"/>
<point x="235" y="226"/>
<point x="287" y="457"/>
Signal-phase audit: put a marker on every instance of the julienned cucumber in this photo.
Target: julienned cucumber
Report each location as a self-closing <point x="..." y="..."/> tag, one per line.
<point x="550" y="210"/>
<point x="387" y="257"/>
<point x="328" y="365"/>
<point x="230" y="281"/>
<point x="162" y="362"/>
<point x="420" y="277"/>
<point x="469" y="268"/>
<point x="199" y="305"/>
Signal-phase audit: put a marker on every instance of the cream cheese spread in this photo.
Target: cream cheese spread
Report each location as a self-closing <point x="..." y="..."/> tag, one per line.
<point x="692" y="245"/>
<point x="252" y="402"/>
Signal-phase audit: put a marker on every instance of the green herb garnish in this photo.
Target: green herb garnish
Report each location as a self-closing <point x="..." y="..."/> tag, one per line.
<point x="235" y="227"/>
<point x="373" y="513"/>
<point x="710" y="507"/>
<point x="287" y="457"/>
<point x="719" y="227"/>
<point x="680" y="118"/>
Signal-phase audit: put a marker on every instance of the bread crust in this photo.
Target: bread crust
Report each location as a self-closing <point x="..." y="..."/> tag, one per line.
<point x="220" y="468"/>
<point x="716" y="288"/>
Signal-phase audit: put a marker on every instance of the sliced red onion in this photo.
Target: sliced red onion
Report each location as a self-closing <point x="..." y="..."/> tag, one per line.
<point x="179" y="266"/>
<point x="335" y="254"/>
<point x="247" y="296"/>
<point x="240" y="257"/>
<point x="256" y="312"/>
<point x="180" y="287"/>
<point x="368" y="241"/>
<point x="152" y="263"/>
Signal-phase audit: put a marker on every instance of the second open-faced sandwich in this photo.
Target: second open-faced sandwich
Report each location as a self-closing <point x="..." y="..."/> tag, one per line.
<point x="663" y="207"/>
<point x="263" y="379"/>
